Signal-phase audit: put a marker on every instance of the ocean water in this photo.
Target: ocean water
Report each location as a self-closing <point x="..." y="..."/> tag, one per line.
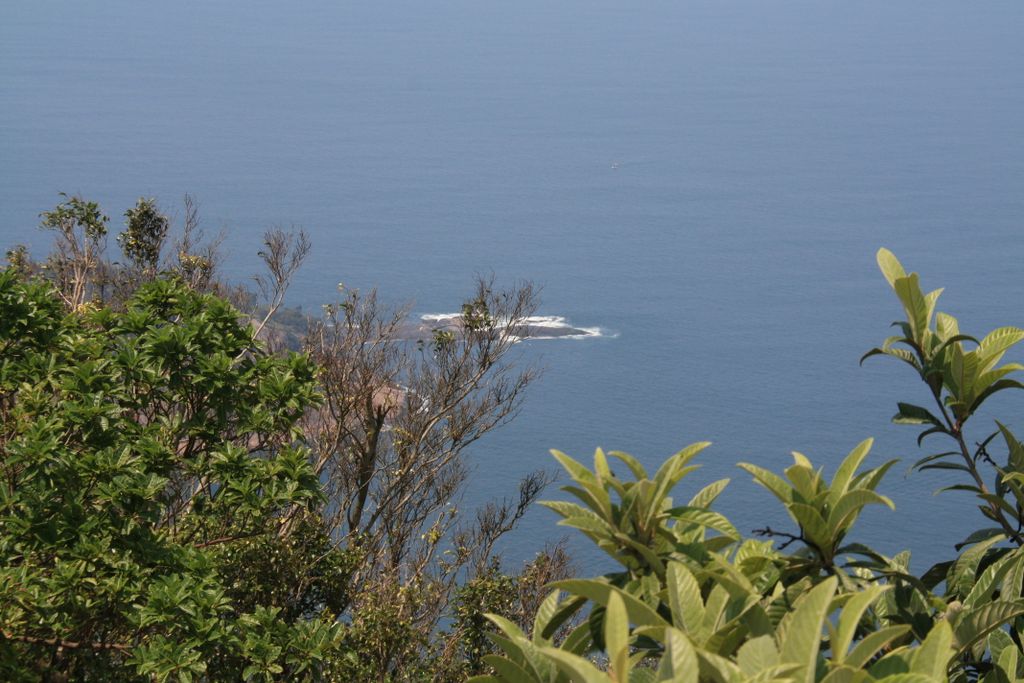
<point x="706" y="182"/>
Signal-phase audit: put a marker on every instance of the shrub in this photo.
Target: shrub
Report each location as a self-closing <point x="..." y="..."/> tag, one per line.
<point x="694" y="600"/>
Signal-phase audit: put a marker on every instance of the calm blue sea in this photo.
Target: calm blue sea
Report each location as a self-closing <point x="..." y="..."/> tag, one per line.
<point x="706" y="181"/>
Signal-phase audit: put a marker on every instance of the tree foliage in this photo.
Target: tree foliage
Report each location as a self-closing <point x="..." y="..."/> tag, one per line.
<point x="139" y="450"/>
<point x="181" y="503"/>
<point x="694" y="600"/>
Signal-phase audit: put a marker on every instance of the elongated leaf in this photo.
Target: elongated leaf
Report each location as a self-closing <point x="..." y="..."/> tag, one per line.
<point x="961" y="576"/>
<point x="548" y="608"/>
<point x="1008" y="662"/>
<point x="846" y="674"/>
<point x="717" y="668"/>
<point x="579" y="640"/>
<point x="1015" y="459"/>
<point x="954" y="466"/>
<point x="685" y="600"/>
<point x="851" y="463"/>
<point x="601" y="468"/>
<point x="996" y="343"/>
<point x="851" y="504"/>
<point x="576" y="667"/>
<point x="989" y="581"/>
<point x="850" y="617"/>
<point x="757" y="654"/>
<point x="911" y="414"/>
<point x="507" y="627"/>
<point x="707" y="519"/>
<point x="992" y="389"/>
<point x="932" y="658"/>
<point x="632" y="463"/>
<point x="974" y="625"/>
<point x="566" y="509"/>
<point x="803" y="634"/>
<point x="616" y="636"/>
<point x="770" y="481"/>
<point x="890" y="266"/>
<point x="639" y="612"/>
<point x="679" y="664"/>
<point x="576" y="470"/>
<point x="565" y="611"/>
<point x="871" y="644"/>
<point x="814" y="528"/>
<point x="507" y="670"/>
<point x="904" y="355"/>
<point x="707" y="495"/>
<point x="598" y="503"/>
<point x="667" y="475"/>
<point x="936" y="456"/>
<point x="908" y="289"/>
<point x="930" y="300"/>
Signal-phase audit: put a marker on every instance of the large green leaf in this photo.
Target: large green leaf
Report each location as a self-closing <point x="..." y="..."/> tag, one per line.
<point x="685" y="600"/>
<point x="932" y="658"/>
<point x="640" y="614"/>
<point x="679" y="663"/>
<point x="844" y="474"/>
<point x="890" y="266"/>
<point x="974" y="625"/>
<point x="802" y="637"/>
<point x="850" y="617"/>
<point x="873" y="643"/>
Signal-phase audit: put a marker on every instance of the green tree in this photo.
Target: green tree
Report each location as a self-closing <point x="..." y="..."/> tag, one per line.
<point x="145" y="454"/>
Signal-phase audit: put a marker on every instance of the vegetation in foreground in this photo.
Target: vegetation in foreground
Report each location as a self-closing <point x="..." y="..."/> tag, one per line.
<point x="181" y="503"/>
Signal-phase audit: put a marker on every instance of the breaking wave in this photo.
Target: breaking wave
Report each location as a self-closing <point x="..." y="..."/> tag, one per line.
<point x="534" y="327"/>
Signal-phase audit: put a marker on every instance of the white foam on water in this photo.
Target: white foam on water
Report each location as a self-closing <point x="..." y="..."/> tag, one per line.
<point x="536" y="323"/>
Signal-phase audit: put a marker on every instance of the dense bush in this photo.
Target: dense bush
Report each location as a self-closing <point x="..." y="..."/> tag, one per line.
<point x="142" y="452"/>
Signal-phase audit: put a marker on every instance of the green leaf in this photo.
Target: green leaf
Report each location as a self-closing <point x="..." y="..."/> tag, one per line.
<point x="757" y="654"/>
<point x="577" y="668"/>
<point x="506" y="670"/>
<point x="707" y="519"/>
<point x="679" y="663"/>
<point x="639" y="613"/>
<point x="850" y="505"/>
<point x="890" y="266"/>
<point x="996" y="343"/>
<point x="851" y="463"/>
<point x="814" y="528"/>
<point x="548" y="608"/>
<point x="771" y="481"/>
<point x="911" y="414"/>
<point x="850" y="617"/>
<point x="932" y="658"/>
<point x="873" y="643"/>
<point x="685" y="600"/>
<point x="707" y="495"/>
<point x="803" y="633"/>
<point x="961" y="575"/>
<point x="616" y="636"/>
<point x="909" y="292"/>
<point x="974" y="625"/>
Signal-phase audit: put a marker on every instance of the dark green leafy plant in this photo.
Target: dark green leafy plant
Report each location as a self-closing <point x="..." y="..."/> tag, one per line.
<point x="143" y="453"/>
